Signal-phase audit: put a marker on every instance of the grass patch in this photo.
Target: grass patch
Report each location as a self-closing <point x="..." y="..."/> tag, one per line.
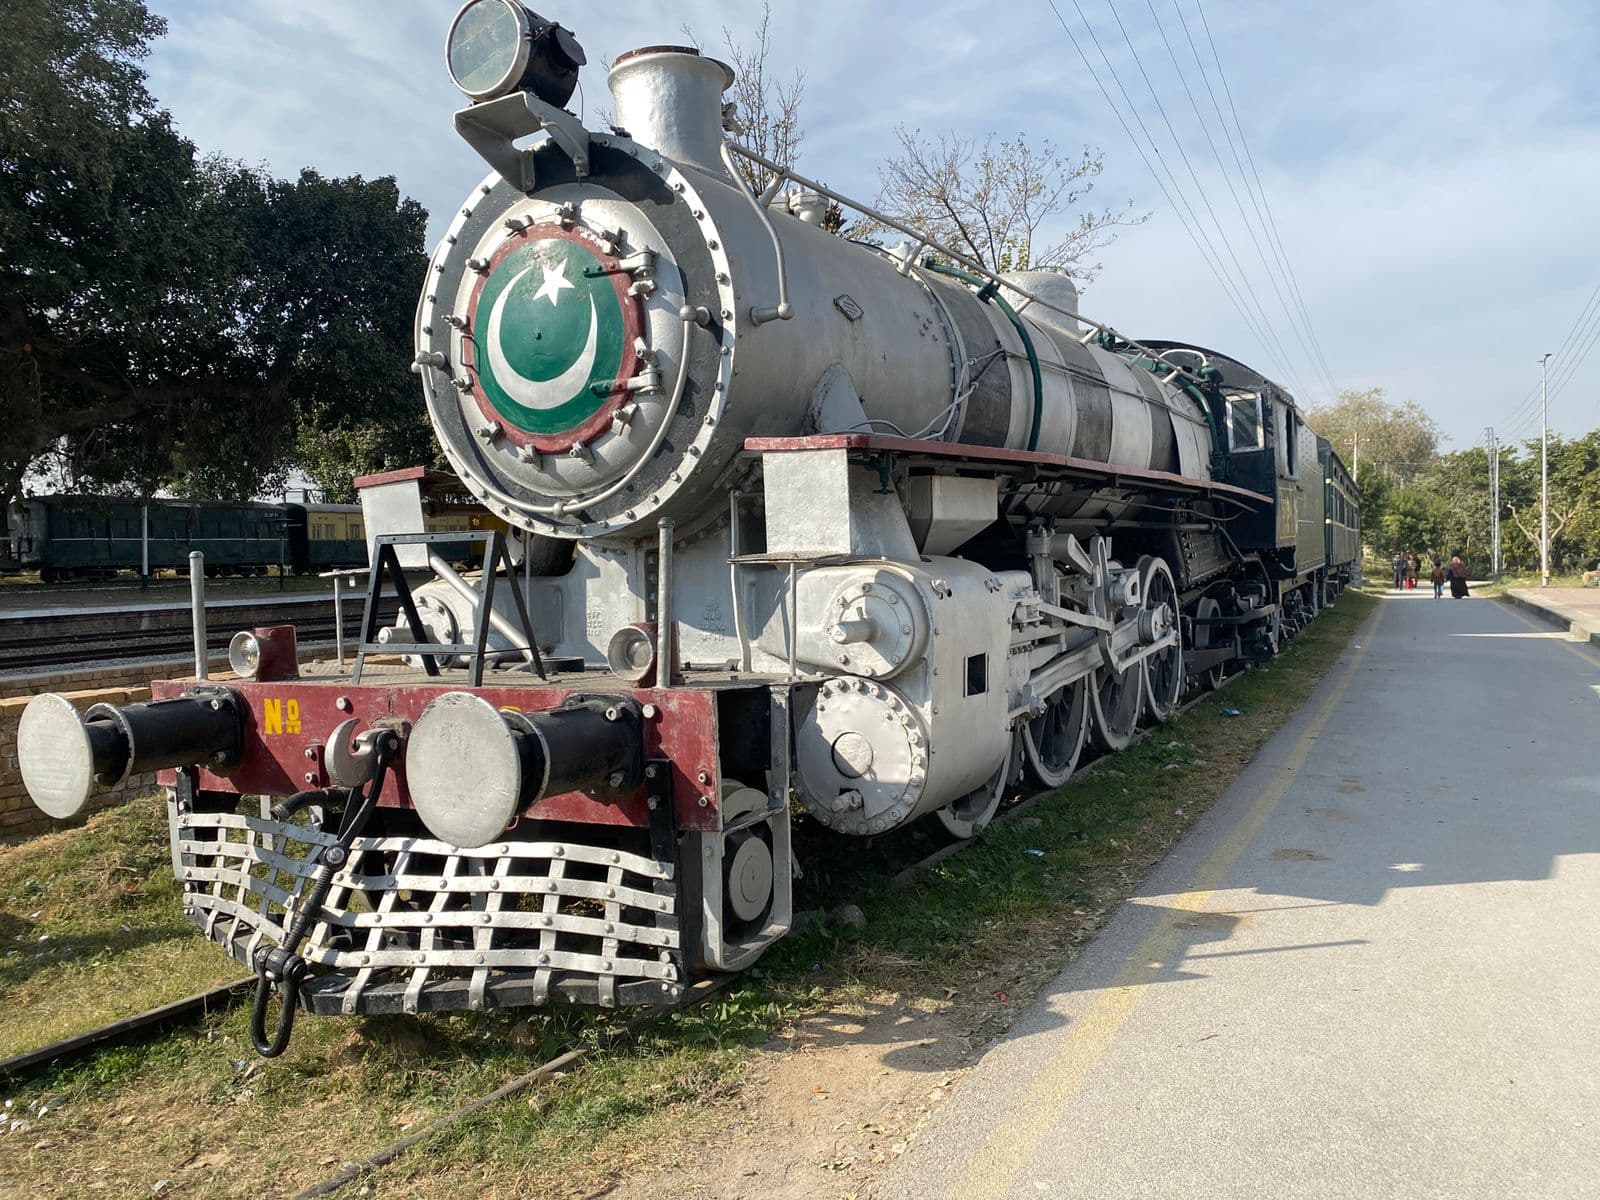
<point x="973" y="940"/>
<point x="92" y="928"/>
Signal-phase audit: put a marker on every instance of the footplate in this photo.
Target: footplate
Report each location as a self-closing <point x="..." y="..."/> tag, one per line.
<point x="415" y="925"/>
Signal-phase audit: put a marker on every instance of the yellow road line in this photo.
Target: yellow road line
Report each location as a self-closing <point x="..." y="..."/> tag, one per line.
<point x="995" y="1167"/>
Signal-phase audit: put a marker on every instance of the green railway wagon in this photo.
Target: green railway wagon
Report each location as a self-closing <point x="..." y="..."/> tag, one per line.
<point x="67" y="537"/>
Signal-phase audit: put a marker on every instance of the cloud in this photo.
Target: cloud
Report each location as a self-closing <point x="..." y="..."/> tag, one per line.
<point x="1431" y="167"/>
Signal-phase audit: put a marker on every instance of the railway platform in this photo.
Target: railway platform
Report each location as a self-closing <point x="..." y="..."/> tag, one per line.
<point x="1368" y="972"/>
<point x="1576" y="608"/>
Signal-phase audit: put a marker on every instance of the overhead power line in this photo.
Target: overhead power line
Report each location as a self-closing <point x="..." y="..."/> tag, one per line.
<point x="1527" y="409"/>
<point x="1277" y="270"/>
<point x="1202" y="223"/>
<point x="1180" y="206"/>
<point x="1260" y="188"/>
<point x="1246" y="289"/>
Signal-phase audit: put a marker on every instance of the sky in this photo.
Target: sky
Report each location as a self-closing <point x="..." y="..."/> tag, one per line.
<point x="1431" y="170"/>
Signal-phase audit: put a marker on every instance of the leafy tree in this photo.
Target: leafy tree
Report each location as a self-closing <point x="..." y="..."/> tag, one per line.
<point x="168" y="320"/>
<point x="1459" y="483"/>
<point x="991" y="199"/>
<point x="1413" y="521"/>
<point x="1399" y="439"/>
<point x="1372" y="493"/>
<point x="1574" y="489"/>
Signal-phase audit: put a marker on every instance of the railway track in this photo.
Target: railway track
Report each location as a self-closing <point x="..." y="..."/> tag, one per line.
<point x="69" y="643"/>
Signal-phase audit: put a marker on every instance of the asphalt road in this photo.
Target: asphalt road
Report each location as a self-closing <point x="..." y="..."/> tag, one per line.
<point x="1372" y="970"/>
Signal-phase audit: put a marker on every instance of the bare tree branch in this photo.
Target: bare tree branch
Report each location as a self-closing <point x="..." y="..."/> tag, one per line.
<point x="995" y="199"/>
<point x="766" y="108"/>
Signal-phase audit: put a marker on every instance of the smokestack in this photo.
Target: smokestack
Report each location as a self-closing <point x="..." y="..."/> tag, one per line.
<point x="670" y="99"/>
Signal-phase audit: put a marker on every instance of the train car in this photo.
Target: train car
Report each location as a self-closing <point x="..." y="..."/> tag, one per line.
<point x="70" y="537"/>
<point x="325" y="537"/>
<point x="1343" y="520"/>
<point x="854" y="534"/>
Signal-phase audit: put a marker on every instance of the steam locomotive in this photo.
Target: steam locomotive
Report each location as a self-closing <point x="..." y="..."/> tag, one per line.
<point x="798" y="526"/>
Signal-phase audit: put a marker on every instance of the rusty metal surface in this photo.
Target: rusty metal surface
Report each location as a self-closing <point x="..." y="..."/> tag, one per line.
<point x="287" y="724"/>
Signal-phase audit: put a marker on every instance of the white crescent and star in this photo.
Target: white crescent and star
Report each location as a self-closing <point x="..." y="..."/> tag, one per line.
<point x="554" y="280"/>
<point x="535" y="393"/>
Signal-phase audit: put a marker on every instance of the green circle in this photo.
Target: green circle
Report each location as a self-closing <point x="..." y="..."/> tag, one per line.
<point x="537" y="307"/>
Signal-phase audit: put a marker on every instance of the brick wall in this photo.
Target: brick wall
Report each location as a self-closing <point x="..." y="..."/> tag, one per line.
<point x="103" y="675"/>
<point x="122" y="683"/>
<point x="18" y="816"/>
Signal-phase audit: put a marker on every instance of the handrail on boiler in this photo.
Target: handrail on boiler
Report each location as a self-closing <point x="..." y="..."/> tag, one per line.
<point x="924" y="242"/>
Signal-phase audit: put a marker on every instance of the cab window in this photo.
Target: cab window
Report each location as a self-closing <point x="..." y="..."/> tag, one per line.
<point x="1244" y="423"/>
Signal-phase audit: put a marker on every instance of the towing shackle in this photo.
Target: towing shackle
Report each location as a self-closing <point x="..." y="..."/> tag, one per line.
<point x="66" y="757"/>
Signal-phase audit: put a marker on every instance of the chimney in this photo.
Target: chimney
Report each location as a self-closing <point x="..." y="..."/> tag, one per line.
<point x="670" y="99"/>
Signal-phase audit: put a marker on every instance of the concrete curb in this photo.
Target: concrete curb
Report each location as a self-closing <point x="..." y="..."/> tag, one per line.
<point x="1581" y="625"/>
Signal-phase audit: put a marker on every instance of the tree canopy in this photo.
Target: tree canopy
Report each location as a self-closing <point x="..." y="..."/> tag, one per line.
<point x="171" y="320"/>
<point x="1366" y="427"/>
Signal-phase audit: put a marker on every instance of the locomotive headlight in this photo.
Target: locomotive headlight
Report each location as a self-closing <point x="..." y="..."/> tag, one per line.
<point x="496" y="47"/>
<point x="244" y="655"/>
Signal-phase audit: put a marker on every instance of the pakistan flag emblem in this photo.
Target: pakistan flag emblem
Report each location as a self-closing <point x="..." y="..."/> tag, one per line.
<point x="552" y="339"/>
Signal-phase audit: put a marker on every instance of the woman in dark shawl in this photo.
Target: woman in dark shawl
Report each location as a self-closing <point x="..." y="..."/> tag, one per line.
<point x="1458" y="577"/>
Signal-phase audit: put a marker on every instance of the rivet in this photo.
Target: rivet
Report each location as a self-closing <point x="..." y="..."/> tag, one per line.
<point x="611" y="893"/>
<point x="480" y="960"/>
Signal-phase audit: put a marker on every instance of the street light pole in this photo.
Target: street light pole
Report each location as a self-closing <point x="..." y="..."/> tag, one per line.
<point x="1494" y="502"/>
<point x="1544" y="470"/>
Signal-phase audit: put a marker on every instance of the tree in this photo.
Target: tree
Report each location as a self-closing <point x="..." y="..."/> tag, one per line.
<point x="1574" y="484"/>
<point x="1400" y="439"/>
<point x="168" y="320"/>
<point x="766" y="109"/>
<point x="1459" y="483"/>
<point x="1372" y="493"/>
<point x="1413" y="521"/>
<point x="990" y="200"/>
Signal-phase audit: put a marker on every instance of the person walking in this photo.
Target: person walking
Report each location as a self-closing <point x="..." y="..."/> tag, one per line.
<point x="1437" y="577"/>
<point x="1399" y="565"/>
<point x="1458" y="577"/>
<point x="1412" y="563"/>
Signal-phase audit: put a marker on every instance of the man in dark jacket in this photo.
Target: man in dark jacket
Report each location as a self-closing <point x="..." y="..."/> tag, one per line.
<point x="1399" y="565"/>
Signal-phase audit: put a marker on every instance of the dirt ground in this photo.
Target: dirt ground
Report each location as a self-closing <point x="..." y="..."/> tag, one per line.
<point x="821" y="1111"/>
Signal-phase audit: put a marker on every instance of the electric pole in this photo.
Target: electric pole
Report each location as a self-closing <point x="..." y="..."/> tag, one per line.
<point x="1494" y="501"/>
<point x="1544" y="470"/>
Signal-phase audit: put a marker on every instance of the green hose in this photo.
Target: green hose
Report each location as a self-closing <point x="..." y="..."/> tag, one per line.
<point x="989" y="293"/>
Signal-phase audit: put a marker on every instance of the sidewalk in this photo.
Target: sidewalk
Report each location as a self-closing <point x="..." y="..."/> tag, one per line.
<point x="1576" y="608"/>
